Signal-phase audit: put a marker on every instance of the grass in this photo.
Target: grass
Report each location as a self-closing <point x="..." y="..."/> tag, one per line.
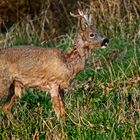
<point x="103" y="102"/>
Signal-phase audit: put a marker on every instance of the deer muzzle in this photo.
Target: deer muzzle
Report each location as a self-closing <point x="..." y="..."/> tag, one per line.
<point x="105" y="42"/>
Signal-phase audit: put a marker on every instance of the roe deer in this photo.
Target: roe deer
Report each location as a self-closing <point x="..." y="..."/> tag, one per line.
<point x="45" y="68"/>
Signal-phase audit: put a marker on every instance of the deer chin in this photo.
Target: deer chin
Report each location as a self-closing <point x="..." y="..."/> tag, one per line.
<point x="93" y="46"/>
<point x="104" y="47"/>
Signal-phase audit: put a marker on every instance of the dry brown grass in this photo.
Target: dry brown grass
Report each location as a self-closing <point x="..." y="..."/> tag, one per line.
<point x="116" y="13"/>
<point x="51" y="18"/>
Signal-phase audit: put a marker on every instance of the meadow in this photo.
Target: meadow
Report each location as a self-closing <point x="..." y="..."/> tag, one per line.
<point x="103" y="101"/>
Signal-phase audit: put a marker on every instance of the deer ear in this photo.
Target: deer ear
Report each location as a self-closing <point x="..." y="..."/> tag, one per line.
<point x="89" y="16"/>
<point x="87" y="19"/>
<point x="83" y="25"/>
<point x="90" y="19"/>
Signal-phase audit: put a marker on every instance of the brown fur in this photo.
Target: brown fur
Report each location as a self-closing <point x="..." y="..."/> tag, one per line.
<point x="44" y="68"/>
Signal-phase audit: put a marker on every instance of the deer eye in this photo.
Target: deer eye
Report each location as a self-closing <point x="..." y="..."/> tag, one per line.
<point x="91" y="35"/>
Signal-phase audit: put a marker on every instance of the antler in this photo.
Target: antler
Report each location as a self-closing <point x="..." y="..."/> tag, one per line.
<point x="87" y="18"/>
<point x="80" y="14"/>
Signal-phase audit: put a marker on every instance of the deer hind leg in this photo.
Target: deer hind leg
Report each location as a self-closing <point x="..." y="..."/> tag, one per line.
<point x="14" y="92"/>
<point x="2" y="93"/>
<point x="57" y="102"/>
<point x="9" y="101"/>
<point x="4" y="85"/>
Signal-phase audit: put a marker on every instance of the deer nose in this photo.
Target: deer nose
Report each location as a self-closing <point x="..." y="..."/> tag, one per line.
<point x="105" y="42"/>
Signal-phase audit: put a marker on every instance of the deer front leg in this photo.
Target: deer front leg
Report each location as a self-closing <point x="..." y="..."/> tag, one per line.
<point x="57" y="102"/>
<point x="61" y="96"/>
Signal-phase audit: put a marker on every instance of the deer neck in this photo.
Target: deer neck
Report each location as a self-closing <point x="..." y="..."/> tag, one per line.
<point x="77" y="57"/>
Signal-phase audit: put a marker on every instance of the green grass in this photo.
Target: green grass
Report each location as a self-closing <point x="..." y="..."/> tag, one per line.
<point x="101" y="104"/>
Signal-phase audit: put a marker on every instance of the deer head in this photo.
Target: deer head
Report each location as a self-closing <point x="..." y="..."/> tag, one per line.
<point x="87" y="35"/>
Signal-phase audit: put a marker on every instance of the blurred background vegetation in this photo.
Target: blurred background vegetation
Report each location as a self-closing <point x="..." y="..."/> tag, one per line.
<point x="51" y="18"/>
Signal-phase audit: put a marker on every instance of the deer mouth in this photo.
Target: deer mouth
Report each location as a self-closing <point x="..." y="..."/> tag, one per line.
<point x="105" y="43"/>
